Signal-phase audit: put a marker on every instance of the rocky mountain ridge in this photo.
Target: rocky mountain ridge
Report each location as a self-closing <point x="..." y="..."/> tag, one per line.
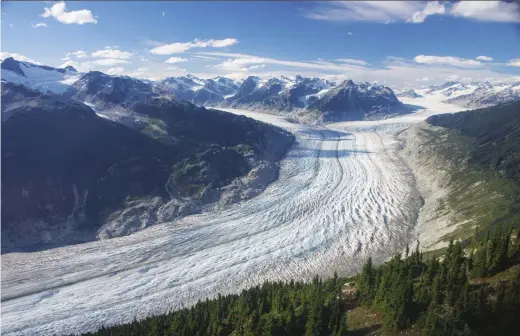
<point x="122" y="164"/>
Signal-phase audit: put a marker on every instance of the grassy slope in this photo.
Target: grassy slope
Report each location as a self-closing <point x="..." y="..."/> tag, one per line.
<point x="479" y="154"/>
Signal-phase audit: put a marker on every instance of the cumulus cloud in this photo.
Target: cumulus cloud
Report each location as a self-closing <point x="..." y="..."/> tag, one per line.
<point x="514" y="62"/>
<point x="499" y="11"/>
<point x="176" y="60"/>
<point x="484" y="58"/>
<point x="39" y="24"/>
<point x="58" y="11"/>
<point x="448" y="60"/>
<point x="111" y="52"/>
<point x="180" y="47"/>
<point x="18" y="57"/>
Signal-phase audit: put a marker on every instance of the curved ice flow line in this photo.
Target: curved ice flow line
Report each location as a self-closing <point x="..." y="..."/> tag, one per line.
<point x="342" y="195"/>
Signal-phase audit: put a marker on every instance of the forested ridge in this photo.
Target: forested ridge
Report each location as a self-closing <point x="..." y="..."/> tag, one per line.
<point x="495" y="135"/>
<point x="455" y="294"/>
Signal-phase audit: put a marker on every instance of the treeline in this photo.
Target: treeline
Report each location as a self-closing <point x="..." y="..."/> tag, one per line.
<point x="275" y="308"/>
<point x="439" y="296"/>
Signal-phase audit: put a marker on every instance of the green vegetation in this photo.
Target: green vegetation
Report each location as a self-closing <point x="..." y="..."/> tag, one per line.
<point x="275" y="308"/>
<point x="480" y="150"/>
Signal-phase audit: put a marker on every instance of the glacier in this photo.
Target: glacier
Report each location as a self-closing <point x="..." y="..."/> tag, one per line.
<point x="343" y="194"/>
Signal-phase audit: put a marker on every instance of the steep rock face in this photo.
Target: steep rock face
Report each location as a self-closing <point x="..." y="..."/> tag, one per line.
<point x="71" y="176"/>
<point x="349" y="101"/>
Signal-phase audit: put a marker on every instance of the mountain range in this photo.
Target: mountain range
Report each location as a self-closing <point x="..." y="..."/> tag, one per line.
<point x="106" y="156"/>
<point x="472" y="95"/>
<point x="309" y="99"/>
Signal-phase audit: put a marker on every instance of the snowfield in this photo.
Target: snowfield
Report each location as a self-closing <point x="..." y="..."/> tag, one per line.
<point x="343" y="194"/>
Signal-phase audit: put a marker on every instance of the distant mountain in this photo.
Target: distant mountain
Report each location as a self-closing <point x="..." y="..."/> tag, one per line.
<point x="199" y="91"/>
<point x="38" y="77"/>
<point x="311" y="99"/>
<point x="316" y="99"/>
<point x="474" y="95"/>
<point x="483" y="97"/>
<point x="104" y="91"/>
<point x="408" y="94"/>
<point x="350" y="101"/>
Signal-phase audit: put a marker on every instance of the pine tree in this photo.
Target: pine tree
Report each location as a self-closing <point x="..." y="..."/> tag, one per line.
<point x="366" y="281"/>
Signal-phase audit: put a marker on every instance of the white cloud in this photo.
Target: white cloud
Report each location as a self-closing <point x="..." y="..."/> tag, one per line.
<point x="58" y="11"/>
<point x="116" y="71"/>
<point x="350" y="33"/>
<point x="239" y="63"/>
<point x="179" y="47"/>
<point x="432" y="8"/>
<point x="514" y="62"/>
<point x="484" y="58"/>
<point x="414" y="11"/>
<point x="352" y="61"/>
<point x="110" y="52"/>
<point x="375" y="11"/>
<point x="206" y="57"/>
<point x="448" y="60"/>
<point x="259" y="66"/>
<point x="11" y="25"/>
<point x="39" y="24"/>
<point x="487" y="10"/>
<point x="176" y="60"/>
<point x="77" y="54"/>
<point x="18" y="57"/>
<point x="109" y="61"/>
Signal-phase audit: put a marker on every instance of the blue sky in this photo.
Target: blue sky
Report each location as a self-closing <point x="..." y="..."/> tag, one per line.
<point x="396" y="43"/>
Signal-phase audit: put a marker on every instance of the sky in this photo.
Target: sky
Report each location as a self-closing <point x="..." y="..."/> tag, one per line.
<point x="396" y="43"/>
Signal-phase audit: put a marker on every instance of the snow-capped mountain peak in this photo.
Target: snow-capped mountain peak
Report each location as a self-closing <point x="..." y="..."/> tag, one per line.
<point x="38" y="77"/>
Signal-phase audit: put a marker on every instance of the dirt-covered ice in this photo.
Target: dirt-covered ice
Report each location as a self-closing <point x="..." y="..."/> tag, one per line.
<point x="343" y="194"/>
